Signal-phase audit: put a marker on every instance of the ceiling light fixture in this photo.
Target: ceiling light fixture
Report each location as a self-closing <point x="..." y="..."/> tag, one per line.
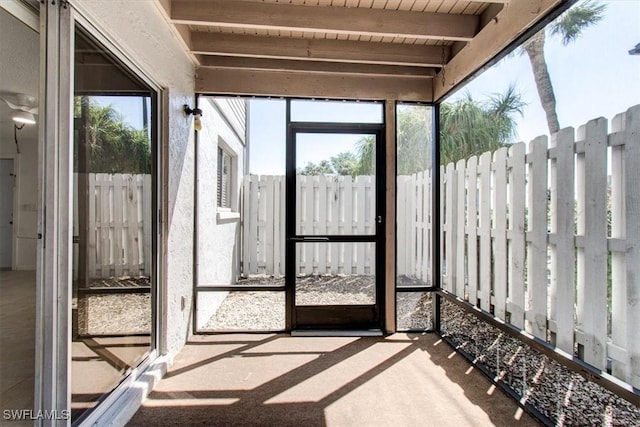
<point x="23" y="117"/>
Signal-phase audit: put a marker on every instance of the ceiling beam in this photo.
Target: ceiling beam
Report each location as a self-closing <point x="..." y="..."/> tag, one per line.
<point x="317" y="49"/>
<point x="514" y="19"/>
<point x="310" y="85"/>
<point x="326" y="19"/>
<point x="372" y="70"/>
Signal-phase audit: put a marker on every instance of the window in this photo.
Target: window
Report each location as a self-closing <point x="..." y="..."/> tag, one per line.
<point x="224" y="179"/>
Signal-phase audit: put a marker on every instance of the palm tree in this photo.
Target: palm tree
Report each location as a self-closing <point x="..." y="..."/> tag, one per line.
<point x="569" y="26"/>
<point x="366" y="152"/>
<point x="108" y="144"/>
<point x="469" y="128"/>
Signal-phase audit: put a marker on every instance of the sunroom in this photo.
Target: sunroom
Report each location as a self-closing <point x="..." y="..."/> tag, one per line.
<point x="189" y="185"/>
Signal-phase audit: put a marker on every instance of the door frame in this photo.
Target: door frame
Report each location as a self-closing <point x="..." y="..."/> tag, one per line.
<point x="52" y="384"/>
<point x="356" y="314"/>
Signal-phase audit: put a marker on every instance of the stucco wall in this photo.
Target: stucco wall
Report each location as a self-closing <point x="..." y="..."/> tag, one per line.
<point x="142" y="32"/>
<point x="19" y="73"/>
<point x="218" y="230"/>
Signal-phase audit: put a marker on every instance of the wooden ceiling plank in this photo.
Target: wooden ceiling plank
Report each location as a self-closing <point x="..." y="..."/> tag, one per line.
<point x="514" y="19"/>
<point x="315" y="66"/>
<point x="311" y="85"/>
<point x="317" y="49"/>
<point x="342" y="20"/>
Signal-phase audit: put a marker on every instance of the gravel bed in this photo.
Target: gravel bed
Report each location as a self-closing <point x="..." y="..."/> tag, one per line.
<point x="114" y="314"/>
<point x="563" y="396"/>
<point x="413" y="310"/>
<point x="259" y="311"/>
<point x="266" y="310"/>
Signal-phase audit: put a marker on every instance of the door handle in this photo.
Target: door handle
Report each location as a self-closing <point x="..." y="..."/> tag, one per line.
<point x="309" y="239"/>
<point x="379" y="219"/>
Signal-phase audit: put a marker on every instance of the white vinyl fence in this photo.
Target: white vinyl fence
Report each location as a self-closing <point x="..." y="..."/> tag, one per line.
<point x="118" y="223"/>
<point x="331" y="205"/>
<point x="547" y="236"/>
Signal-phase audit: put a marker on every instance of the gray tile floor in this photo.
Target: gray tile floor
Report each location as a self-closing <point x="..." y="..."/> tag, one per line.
<point x="17" y="340"/>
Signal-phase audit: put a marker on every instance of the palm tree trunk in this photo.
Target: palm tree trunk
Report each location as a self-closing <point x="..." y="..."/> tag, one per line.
<point x="535" y="50"/>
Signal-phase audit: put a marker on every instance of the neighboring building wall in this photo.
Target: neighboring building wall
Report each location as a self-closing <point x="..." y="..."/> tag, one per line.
<point x="141" y="30"/>
<point x="19" y="73"/>
<point x="218" y="229"/>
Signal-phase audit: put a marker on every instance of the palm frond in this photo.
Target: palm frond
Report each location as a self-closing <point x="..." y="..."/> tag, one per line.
<point x="570" y="25"/>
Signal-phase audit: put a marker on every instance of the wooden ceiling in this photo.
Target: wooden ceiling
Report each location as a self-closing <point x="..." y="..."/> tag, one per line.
<point x="411" y="50"/>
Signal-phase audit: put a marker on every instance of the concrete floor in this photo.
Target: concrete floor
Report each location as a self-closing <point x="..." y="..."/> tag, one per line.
<point x="276" y="379"/>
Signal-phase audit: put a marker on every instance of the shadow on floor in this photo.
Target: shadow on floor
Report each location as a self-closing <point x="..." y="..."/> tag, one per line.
<point x="251" y="380"/>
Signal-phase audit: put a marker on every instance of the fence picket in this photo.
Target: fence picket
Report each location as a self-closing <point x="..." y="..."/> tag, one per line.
<point x="248" y="245"/>
<point x="632" y="222"/>
<point x="472" y="229"/>
<point x="323" y="207"/>
<point x="485" y="231"/>
<point x="500" y="232"/>
<point x="417" y="231"/>
<point x="120" y="233"/>
<point x="564" y="271"/>
<point x="269" y="224"/>
<point x="147" y="225"/>
<point x="516" y="244"/>
<point x="92" y="256"/>
<point x="361" y="212"/>
<point x="349" y="220"/>
<point x="537" y="237"/>
<point x="401" y="229"/>
<point x="460" y="236"/>
<point x="105" y="222"/>
<point x="595" y="245"/>
<point x="450" y="205"/>
<point x="425" y="262"/>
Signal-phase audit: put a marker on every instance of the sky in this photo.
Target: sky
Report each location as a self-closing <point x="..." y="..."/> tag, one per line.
<point x="594" y="76"/>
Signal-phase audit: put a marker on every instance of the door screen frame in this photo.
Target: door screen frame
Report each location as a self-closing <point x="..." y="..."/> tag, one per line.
<point x="358" y="317"/>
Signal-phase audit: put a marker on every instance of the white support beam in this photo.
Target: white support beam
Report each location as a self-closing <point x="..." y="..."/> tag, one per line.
<point x="225" y="44"/>
<point x="326" y="19"/>
<point x="311" y="85"/>
<point x="514" y="19"/>
<point x="232" y="62"/>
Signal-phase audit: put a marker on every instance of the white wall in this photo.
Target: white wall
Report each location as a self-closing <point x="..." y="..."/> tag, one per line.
<point x="218" y="230"/>
<point x="143" y="33"/>
<point x="19" y="73"/>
